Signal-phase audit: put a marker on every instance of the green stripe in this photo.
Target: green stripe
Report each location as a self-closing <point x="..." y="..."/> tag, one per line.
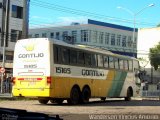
<point x="117" y="84"/>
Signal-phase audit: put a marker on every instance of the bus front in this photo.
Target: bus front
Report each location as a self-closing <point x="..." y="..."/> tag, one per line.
<point x="31" y="68"/>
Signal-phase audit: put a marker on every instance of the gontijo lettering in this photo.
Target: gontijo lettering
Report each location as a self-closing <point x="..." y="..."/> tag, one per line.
<point x="31" y="55"/>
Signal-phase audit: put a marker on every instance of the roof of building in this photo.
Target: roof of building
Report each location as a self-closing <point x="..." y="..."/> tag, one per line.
<point x="110" y="25"/>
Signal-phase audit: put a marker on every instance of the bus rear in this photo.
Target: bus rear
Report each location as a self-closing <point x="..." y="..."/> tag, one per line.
<point x="31" y="68"/>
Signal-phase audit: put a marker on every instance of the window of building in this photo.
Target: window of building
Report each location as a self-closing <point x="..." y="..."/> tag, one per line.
<point x="44" y="35"/>
<point x="57" y="35"/>
<point x="15" y="35"/>
<point x="94" y="36"/>
<point x="135" y="43"/>
<point x="124" y="41"/>
<point x="17" y="11"/>
<point x="65" y="35"/>
<point x="118" y="40"/>
<point x="52" y="35"/>
<point x="107" y="37"/>
<point x="36" y="35"/>
<point x="101" y="37"/>
<point x="84" y="36"/>
<point x="74" y="36"/>
<point x="113" y="39"/>
<point x="129" y="41"/>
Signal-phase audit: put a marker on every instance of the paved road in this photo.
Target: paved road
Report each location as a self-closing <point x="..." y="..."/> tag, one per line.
<point x="131" y="109"/>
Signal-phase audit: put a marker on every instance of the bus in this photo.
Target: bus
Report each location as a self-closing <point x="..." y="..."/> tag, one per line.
<point x="52" y="70"/>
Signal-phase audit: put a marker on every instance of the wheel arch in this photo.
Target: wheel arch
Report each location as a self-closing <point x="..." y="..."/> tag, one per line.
<point x="130" y="89"/>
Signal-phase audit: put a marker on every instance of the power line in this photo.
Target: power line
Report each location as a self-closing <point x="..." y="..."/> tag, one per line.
<point x="52" y="6"/>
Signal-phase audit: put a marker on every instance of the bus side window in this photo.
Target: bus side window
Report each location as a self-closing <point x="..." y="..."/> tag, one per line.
<point x="57" y="51"/>
<point x="80" y="58"/>
<point x="106" y="62"/>
<point x="73" y="57"/>
<point x="126" y="67"/>
<point x="100" y="60"/>
<point x="121" y="64"/>
<point x="130" y="65"/>
<point x="116" y="61"/>
<point x="94" y="60"/>
<point x="87" y="59"/>
<point x="65" y="55"/>
<point x="111" y="62"/>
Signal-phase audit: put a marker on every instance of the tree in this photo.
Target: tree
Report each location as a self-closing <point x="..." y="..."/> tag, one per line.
<point x="158" y="25"/>
<point x="154" y="56"/>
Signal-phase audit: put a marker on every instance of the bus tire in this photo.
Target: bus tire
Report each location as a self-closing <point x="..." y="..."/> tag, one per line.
<point x="74" y="96"/>
<point x="43" y="101"/>
<point x="86" y="94"/>
<point x="129" y="94"/>
<point x="103" y="98"/>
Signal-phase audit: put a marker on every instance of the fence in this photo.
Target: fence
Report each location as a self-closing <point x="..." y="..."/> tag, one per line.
<point x="151" y="93"/>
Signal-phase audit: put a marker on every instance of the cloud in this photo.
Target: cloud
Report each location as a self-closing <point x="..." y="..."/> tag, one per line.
<point x="38" y="21"/>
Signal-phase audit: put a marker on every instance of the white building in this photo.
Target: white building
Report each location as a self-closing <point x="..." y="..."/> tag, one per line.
<point x="113" y="37"/>
<point x="148" y="38"/>
<point x="16" y="22"/>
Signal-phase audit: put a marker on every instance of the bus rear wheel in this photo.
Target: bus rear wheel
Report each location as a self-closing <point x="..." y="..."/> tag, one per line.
<point x="86" y="94"/>
<point x="43" y="101"/>
<point x="74" y="96"/>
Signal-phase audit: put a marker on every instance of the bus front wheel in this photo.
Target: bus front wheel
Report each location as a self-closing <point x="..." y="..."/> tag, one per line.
<point x="74" y="96"/>
<point x="129" y="94"/>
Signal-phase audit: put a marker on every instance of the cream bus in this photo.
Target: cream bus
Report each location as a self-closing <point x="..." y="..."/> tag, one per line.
<point x="54" y="71"/>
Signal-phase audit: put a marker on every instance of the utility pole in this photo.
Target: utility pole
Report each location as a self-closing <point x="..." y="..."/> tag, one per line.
<point x="4" y="39"/>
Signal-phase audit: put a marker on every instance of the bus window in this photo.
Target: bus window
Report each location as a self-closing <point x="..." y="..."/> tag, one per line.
<point x="121" y="64"/>
<point x="56" y="54"/>
<point x="73" y="57"/>
<point x="80" y="58"/>
<point x="126" y="64"/>
<point x="130" y="65"/>
<point x="106" y="62"/>
<point x="94" y="60"/>
<point x="65" y="56"/>
<point x="87" y="59"/>
<point x="111" y="62"/>
<point x="116" y="62"/>
<point x="100" y="60"/>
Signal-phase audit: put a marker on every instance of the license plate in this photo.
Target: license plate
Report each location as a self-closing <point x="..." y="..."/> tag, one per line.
<point x="32" y="83"/>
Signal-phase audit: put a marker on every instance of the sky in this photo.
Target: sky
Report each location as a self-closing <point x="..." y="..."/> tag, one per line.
<point x="44" y="13"/>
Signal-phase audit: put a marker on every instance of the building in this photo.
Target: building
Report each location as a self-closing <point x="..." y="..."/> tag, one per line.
<point x="148" y="38"/>
<point x="14" y="16"/>
<point x="115" y="38"/>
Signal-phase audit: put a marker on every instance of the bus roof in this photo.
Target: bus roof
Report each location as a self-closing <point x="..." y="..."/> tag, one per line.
<point x="80" y="46"/>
